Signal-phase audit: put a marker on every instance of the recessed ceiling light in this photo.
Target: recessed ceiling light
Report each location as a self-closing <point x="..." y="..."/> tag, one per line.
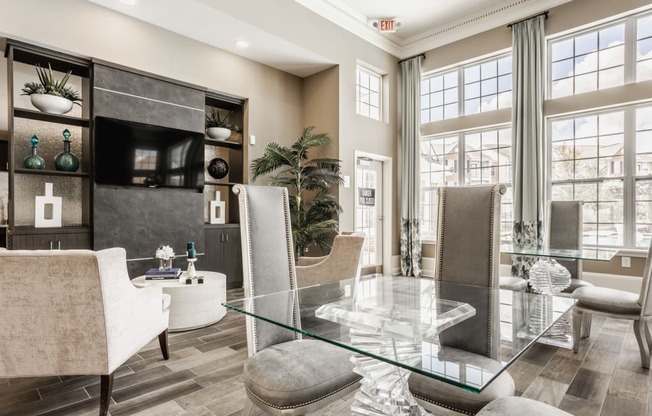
<point x="129" y="2"/>
<point x="241" y="43"/>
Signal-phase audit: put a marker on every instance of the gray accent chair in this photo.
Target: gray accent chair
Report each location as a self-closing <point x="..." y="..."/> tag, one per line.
<point x="520" y="406"/>
<point x="618" y="304"/>
<point x="468" y="248"/>
<point x="282" y="375"/>
<point x="343" y="262"/>
<point x="564" y="231"/>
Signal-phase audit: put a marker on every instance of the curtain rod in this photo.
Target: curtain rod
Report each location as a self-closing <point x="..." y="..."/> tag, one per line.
<point x="423" y="55"/>
<point x="531" y="17"/>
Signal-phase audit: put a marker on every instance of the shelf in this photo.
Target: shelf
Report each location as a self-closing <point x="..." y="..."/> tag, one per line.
<point x="223" y="143"/>
<point x="210" y="226"/>
<point x="214" y="183"/>
<point x="51" y="172"/>
<point x="52" y="118"/>
<point x="57" y="230"/>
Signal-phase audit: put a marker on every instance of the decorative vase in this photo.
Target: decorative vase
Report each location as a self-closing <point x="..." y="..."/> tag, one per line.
<point x="549" y="277"/>
<point x="218" y="133"/>
<point x="34" y="161"/>
<point x="51" y="103"/>
<point x="66" y="160"/>
<point x="218" y="168"/>
<point x="165" y="264"/>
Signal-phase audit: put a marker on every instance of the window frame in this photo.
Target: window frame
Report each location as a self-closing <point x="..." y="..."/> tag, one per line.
<point x="358" y="101"/>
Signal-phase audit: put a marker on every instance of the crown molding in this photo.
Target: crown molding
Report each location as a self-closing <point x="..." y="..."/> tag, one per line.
<point x="500" y="14"/>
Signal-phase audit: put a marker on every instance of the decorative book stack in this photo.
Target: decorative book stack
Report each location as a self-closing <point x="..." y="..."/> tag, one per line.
<point x="156" y="274"/>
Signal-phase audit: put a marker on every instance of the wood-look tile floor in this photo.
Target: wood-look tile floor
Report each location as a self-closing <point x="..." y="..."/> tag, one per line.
<point x="204" y="378"/>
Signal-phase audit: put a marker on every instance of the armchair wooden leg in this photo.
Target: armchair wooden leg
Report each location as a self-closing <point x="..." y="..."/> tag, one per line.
<point x="586" y="325"/>
<point x="106" y="386"/>
<point x="163" y="342"/>
<point x="640" y="329"/>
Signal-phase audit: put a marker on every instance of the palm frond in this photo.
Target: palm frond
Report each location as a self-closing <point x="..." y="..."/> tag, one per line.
<point x="275" y="156"/>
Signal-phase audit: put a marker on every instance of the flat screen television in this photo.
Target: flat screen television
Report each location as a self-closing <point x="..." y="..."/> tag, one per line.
<point x="136" y="154"/>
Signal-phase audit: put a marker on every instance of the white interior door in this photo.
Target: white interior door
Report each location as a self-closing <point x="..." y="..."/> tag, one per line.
<point x="369" y="209"/>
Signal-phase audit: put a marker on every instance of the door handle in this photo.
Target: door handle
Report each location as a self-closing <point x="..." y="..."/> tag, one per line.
<point x="227" y="237"/>
<point x="381" y="218"/>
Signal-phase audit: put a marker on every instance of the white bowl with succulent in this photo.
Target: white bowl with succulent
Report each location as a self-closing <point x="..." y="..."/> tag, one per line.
<point x="49" y="95"/>
<point x="218" y="126"/>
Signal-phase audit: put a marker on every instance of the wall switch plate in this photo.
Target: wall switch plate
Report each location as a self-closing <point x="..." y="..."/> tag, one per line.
<point x="347" y="181"/>
<point x="252" y="140"/>
<point x="626" y="262"/>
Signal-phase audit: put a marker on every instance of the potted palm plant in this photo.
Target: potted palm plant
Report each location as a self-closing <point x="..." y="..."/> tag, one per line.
<point x="218" y="126"/>
<point x="312" y="207"/>
<point x="50" y="95"/>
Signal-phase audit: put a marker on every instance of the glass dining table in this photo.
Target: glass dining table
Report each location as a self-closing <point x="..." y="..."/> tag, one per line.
<point x="395" y="326"/>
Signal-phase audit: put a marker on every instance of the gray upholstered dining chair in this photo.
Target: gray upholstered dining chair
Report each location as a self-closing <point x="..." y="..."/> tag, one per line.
<point x="618" y="304"/>
<point x="284" y="374"/>
<point x="564" y="227"/>
<point x="468" y="246"/>
<point x="343" y="262"/>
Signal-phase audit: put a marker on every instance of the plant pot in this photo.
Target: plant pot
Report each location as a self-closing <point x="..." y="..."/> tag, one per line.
<point x="218" y="133"/>
<point x="51" y="103"/>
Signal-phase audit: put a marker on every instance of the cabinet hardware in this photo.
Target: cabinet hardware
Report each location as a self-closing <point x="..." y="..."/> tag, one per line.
<point x="58" y="244"/>
<point x="51" y="245"/>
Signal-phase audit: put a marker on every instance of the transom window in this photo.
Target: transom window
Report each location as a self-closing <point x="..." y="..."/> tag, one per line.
<point x="368" y="93"/>
<point x="471" y="158"/>
<point x="644" y="48"/>
<point x="485" y="86"/>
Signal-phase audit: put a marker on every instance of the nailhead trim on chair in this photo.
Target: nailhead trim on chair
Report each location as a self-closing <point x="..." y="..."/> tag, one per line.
<point x="445" y="406"/>
<point x="304" y="403"/>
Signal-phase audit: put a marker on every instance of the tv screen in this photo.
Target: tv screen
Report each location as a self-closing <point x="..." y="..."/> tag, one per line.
<point x="135" y="154"/>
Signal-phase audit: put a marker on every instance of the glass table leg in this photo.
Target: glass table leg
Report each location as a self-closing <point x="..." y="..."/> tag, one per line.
<point x="384" y="388"/>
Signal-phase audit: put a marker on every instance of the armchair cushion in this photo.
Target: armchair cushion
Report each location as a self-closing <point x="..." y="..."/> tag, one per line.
<point x="576" y="284"/>
<point x="607" y="300"/>
<point x="288" y="374"/>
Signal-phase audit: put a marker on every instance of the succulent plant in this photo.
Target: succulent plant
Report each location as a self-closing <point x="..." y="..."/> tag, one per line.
<point x="48" y="85"/>
<point x="215" y="119"/>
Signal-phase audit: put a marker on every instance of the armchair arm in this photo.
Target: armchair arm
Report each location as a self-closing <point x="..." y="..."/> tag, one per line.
<point x="309" y="261"/>
<point x="133" y="316"/>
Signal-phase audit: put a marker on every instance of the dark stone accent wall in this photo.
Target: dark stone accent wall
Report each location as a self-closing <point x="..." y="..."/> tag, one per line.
<point x="142" y="219"/>
<point x="127" y="96"/>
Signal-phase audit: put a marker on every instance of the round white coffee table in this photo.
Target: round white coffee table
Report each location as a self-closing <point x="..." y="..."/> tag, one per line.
<point x="192" y="306"/>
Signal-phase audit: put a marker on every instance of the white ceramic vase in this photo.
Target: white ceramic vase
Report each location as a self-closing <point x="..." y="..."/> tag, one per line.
<point x="218" y="133"/>
<point x="51" y="103"/>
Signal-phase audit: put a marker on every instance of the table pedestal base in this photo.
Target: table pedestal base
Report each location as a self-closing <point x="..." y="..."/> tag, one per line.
<point x="384" y="387"/>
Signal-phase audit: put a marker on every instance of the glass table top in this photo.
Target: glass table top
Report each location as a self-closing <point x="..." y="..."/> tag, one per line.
<point x="453" y="327"/>
<point x="591" y="253"/>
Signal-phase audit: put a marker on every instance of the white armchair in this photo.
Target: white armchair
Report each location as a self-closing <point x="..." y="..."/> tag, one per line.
<point x="71" y="312"/>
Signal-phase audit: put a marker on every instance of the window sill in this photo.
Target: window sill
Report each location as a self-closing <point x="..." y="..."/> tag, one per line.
<point x="630" y="252"/>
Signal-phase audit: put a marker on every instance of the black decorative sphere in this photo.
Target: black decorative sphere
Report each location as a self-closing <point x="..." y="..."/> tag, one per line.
<point x="218" y="168"/>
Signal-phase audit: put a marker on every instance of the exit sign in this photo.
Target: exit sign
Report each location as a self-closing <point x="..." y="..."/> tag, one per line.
<point x="387" y="25"/>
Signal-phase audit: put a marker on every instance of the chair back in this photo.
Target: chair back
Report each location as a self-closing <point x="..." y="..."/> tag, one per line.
<point x="343" y="262"/>
<point x="267" y="258"/>
<point x="645" y="296"/>
<point x="468" y="252"/>
<point x="564" y="231"/>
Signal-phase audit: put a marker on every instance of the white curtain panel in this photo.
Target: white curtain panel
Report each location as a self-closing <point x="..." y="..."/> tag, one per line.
<point x="409" y="166"/>
<point x="528" y="159"/>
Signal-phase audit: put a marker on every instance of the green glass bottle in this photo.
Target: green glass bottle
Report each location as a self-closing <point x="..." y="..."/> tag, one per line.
<point x="34" y="161"/>
<point x="66" y="160"/>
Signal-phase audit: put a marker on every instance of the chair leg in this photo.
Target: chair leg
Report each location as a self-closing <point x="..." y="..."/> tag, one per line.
<point x="249" y="407"/>
<point x="106" y="386"/>
<point x="641" y="332"/>
<point x="586" y="325"/>
<point x="163" y="342"/>
<point x="577" y="330"/>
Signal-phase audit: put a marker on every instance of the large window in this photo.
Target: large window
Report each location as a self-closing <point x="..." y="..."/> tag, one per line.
<point x="368" y="93"/>
<point x="471" y="158"/>
<point x="605" y="159"/>
<point x="486" y="86"/>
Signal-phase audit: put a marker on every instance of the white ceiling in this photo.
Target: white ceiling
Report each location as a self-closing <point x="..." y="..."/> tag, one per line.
<point x="425" y="24"/>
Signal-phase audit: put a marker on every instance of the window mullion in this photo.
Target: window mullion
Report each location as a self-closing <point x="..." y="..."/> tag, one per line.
<point x="629" y="170"/>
